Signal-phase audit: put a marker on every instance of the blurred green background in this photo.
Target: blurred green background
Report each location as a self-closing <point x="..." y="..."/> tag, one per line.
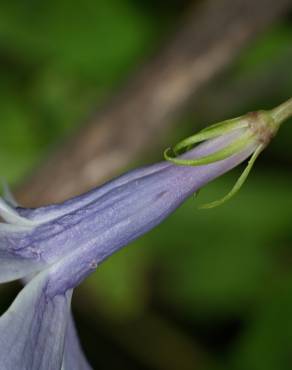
<point x="207" y="289"/>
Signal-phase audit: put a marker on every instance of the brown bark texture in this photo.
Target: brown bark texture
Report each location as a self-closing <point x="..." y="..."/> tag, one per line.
<point x="207" y="41"/>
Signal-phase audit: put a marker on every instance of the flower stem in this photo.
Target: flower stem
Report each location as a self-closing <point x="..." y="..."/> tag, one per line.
<point x="282" y="112"/>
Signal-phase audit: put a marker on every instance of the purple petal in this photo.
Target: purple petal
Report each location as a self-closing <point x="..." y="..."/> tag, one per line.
<point x="73" y="356"/>
<point x="121" y="211"/>
<point x="32" y="331"/>
<point x="51" y="212"/>
<point x="87" y="229"/>
<point x="16" y="261"/>
<point x="75" y="237"/>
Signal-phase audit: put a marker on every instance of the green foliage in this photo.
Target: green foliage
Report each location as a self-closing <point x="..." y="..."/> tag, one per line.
<point x="58" y="59"/>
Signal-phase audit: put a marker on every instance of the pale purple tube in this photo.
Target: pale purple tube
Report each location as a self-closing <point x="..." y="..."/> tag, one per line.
<point x="100" y="222"/>
<point x="61" y="244"/>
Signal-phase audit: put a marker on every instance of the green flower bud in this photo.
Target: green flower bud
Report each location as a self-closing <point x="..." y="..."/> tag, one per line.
<point x="256" y="128"/>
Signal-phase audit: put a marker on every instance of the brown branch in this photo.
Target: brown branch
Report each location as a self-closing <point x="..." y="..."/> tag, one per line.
<point x="208" y="41"/>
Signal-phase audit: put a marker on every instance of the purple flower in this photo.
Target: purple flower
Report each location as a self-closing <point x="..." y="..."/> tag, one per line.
<point x="54" y="248"/>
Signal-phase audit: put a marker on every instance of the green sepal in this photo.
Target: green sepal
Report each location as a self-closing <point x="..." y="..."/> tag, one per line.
<point x="238" y="183"/>
<point x="228" y="151"/>
<point x="210" y="132"/>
